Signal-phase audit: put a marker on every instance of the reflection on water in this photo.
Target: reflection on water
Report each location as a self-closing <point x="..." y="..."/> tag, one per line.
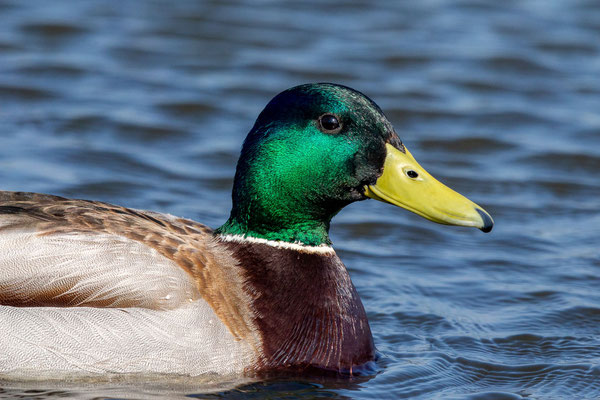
<point x="146" y="104"/>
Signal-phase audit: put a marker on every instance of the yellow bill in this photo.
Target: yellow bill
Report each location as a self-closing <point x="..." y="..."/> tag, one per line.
<point x="406" y="184"/>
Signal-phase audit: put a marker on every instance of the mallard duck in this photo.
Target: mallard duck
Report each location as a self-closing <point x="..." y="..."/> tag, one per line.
<point x="88" y="287"/>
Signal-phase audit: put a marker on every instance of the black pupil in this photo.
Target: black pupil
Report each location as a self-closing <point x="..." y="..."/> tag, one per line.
<point x="329" y="122"/>
<point x="412" y="174"/>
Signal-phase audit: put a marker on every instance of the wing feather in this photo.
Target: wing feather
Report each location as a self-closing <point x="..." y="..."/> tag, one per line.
<point x="88" y="269"/>
<point x="70" y="253"/>
<point x="58" y="252"/>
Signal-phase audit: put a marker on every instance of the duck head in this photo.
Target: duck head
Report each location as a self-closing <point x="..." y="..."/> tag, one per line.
<point x="316" y="148"/>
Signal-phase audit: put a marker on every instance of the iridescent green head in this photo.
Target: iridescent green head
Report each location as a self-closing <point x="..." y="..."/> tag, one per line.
<point x="314" y="149"/>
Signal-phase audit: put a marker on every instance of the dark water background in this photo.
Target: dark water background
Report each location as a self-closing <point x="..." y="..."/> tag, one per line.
<point x="146" y="103"/>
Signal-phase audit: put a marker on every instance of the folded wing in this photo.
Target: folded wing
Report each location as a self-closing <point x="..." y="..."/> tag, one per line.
<point x="70" y="253"/>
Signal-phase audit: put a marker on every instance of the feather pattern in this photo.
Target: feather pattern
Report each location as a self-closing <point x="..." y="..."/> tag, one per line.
<point x="89" y="269"/>
<point x="148" y="292"/>
<point x="53" y="341"/>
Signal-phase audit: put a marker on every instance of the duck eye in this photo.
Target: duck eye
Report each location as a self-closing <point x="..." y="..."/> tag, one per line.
<point x="412" y="174"/>
<point x="329" y="123"/>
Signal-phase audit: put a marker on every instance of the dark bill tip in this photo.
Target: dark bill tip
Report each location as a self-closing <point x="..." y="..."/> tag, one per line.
<point x="488" y="222"/>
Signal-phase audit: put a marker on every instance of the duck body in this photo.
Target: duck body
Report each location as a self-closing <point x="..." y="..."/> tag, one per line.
<point x="92" y="288"/>
<point x="88" y="287"/>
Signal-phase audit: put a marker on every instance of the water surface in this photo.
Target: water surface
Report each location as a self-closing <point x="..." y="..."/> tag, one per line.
<point x="146" y="104"/>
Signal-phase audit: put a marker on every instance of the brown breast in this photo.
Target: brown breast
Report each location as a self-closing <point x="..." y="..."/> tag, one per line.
<point x="306" y="308"/>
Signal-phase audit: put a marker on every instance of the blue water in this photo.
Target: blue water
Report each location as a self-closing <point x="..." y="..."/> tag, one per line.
<point x="146" y="104"/>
